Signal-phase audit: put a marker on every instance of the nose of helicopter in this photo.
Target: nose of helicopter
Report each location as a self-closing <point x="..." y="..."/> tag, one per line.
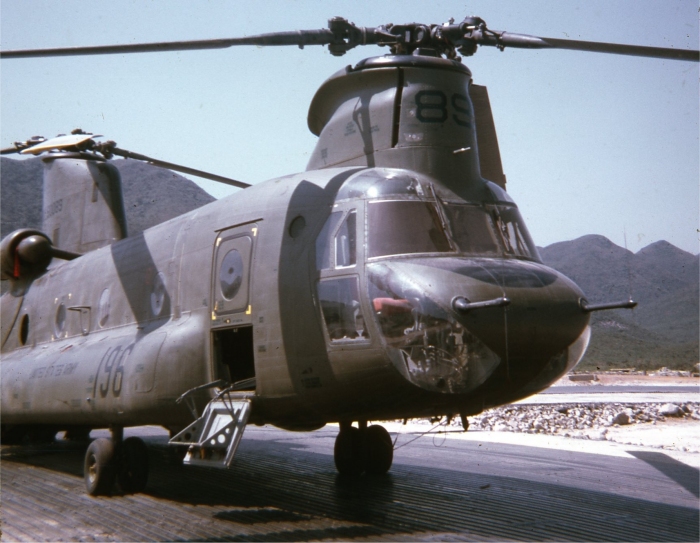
<point x="542" y="315"/>
<point x="473" y="319"/>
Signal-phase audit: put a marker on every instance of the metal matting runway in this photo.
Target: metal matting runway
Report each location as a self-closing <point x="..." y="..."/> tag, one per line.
<point x="283" y="487"/>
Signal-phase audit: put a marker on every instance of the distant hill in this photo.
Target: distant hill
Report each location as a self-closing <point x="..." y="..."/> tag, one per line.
<point x="663" y="330"/>
<point x="151" y="195"/>
<point x="20" y="194"/>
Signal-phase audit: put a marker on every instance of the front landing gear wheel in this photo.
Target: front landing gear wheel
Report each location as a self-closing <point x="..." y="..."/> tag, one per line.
<point x="99" y="467"/>
<point x="132" y="474"/>
<point x="380" y="450"/>
<point x="348" y="452"/>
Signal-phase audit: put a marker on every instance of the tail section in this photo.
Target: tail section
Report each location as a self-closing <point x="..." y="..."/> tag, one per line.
<point x="83" y="202"/>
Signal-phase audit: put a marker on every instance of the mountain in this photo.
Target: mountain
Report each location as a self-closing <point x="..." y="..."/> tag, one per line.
<point x="20" y="194"/>
<point x="151" y="195"/>
<point x="663" y="329"/>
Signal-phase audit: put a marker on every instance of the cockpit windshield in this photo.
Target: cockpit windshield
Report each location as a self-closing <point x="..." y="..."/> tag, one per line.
<point x="472" y="229"/>
<point x="405" y="227"/>
<point x="512" y="232"/>
<point x="490" y="230"/>
<point x="397" y="227"/>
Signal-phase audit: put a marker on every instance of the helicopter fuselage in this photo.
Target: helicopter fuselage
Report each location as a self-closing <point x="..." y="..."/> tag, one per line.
<point x="299" y="286"/>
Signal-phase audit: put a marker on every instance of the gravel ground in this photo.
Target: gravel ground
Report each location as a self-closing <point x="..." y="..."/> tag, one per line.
<point x="660" y="425"/>
<point x="612" y="422"/>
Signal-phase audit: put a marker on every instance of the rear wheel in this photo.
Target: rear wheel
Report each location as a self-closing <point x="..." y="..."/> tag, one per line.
<point x="348" y="452"/>
<point x="99" y="469"/>
<point x="132" y="474"/>
<point x="380" y="450"/>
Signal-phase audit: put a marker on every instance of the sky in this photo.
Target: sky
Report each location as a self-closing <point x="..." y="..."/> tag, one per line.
<point x="590" y="143"/>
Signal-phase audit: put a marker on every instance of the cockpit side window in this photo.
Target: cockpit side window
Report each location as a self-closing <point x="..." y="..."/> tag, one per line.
<point x="405" y="227"/>
<point x="324" y="256"/>
<point x="346" y="242"/>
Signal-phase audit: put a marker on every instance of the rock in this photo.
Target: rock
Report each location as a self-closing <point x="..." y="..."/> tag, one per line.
<point x="621" y="418"/>
<point x="670" y="410"/>
<point x="500" y="427"/>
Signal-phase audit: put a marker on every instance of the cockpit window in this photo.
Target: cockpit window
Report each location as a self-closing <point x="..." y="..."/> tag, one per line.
<point x="472" y="229"/>
<point x="346" y="242"/>
<point x="323" y="245"/>
<point x="514" y="236"/>
<point x="405" y="227"/>
<point x="489" y="230"/>
<point x="340" y="305"/>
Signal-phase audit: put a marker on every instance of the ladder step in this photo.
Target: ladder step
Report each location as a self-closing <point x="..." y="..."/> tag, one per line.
<point x="214" y="437"/>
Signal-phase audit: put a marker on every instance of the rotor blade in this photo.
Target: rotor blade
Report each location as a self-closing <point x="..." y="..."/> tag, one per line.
<point x="176" y="167"/>
<point x="523" y="41"/>
<point x="300" y="38"/>
<point x="59" y="142"/>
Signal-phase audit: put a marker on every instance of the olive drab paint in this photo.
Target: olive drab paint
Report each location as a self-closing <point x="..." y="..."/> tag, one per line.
<point x="394" y="278"/>
<point x="302" y="287"/>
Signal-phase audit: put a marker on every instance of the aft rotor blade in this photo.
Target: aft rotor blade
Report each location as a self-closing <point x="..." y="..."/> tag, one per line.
<point x="299" y="38"/>
<point x="523" y="41"/>
<point x="178" y="168"/>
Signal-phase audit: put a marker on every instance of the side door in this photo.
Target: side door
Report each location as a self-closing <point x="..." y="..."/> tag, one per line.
<point x="232" y="351"/>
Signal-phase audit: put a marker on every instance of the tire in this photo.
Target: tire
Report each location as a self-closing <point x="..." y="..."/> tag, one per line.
<point x="348" y="453"/>
<point x="132" y="475"/>
<point x="99" y="469"/>
<point x="380" y="450"/>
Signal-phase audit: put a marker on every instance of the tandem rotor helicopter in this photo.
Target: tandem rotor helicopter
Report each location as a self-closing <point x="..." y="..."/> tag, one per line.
<point x="394" y="278"/>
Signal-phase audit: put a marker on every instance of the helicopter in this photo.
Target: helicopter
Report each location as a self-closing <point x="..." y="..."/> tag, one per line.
<point x="394" y="278"/>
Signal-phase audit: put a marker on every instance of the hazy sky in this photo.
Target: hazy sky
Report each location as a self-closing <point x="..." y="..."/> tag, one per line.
<point x="591" y="143"/>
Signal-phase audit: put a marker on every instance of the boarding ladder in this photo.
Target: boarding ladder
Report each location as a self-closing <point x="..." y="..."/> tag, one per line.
<point x="213" y="438"/>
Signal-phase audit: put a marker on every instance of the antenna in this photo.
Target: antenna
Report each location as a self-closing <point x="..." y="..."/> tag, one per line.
<point x="629" y="269"/>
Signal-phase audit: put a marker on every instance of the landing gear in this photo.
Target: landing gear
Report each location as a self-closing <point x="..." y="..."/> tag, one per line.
<point x="347" y="452"/>
<point x="380" y="450"/>
<point x="99" y="467"/>
<point x="363" y="450"/>
<point x="115" y="460"/>
<point x="132" y="474"/>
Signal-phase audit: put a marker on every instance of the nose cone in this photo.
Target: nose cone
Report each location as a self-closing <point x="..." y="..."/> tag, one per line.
<point x="531" y="336"/>
<point x="543" y="318"/>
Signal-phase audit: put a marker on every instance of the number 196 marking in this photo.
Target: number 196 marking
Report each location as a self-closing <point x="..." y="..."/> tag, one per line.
<point x="110" y="372"/>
